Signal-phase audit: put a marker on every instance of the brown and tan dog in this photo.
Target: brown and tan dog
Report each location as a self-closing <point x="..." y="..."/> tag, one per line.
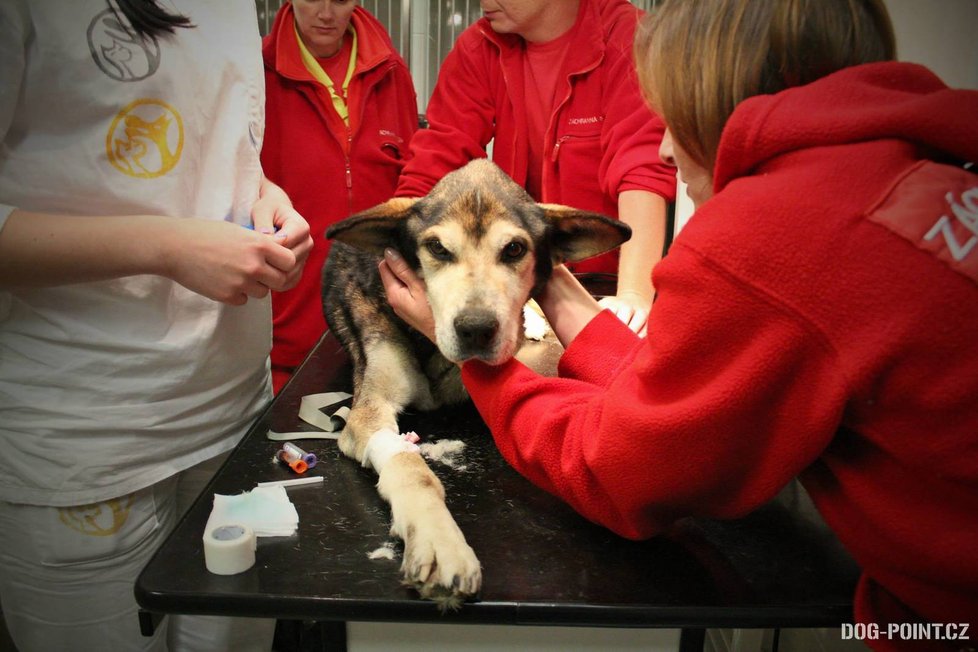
<point x="484" y="248"/>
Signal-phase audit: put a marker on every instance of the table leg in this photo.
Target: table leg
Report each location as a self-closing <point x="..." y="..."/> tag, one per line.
<point x="691" y="639"/>
<point x="310" y="636"/>
<point x="148" y="622"/>
<point x="334" y="635"/>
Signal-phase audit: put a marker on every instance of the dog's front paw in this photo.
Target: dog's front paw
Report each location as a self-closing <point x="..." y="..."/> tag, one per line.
<point x="441" y="566"/>
<point x="437" y="560"/>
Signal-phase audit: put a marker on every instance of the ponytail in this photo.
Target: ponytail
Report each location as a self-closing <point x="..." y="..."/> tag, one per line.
<point x="147" y="18"/>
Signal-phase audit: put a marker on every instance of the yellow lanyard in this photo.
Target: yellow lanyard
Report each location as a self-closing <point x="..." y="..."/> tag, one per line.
<point x="339" y="103"/>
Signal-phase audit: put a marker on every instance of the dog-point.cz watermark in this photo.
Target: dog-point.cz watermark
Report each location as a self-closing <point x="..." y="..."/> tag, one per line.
<point x="906" y="632"/>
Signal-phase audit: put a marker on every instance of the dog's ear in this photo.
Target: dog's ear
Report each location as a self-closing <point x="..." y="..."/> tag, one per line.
<point x="577" y="234"/>
<point x="376" y="228"/>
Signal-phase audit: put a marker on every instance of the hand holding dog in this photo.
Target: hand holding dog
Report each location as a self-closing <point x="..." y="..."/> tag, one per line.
<point x="406" y="293"/>
<point x="631" y="308"/>
<point x="567" y="305"/>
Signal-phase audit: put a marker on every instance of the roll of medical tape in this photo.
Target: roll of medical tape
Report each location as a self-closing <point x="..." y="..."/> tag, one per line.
<point x="229" y="549"/>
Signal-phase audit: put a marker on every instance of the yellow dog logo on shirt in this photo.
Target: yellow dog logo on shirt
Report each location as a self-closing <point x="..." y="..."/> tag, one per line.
<point x="145" y="139"/>
<point x="98" y="519"/>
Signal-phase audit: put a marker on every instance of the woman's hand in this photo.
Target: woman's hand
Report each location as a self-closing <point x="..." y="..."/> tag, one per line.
<point x="274" y="215"/>
<point x="630" y="307"/>
<point x="225" y="262"/>
<point x="406" y="293"/>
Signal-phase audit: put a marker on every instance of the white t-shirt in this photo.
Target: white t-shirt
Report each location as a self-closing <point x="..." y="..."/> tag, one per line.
<point x="109" y="387"/>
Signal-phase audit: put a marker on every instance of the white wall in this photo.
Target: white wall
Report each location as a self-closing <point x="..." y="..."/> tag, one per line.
<point x="941" y="34"/>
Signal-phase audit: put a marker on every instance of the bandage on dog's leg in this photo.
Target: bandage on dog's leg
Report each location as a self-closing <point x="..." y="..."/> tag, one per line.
<point x="390" y="381"/>
<point x="383" y="445"/>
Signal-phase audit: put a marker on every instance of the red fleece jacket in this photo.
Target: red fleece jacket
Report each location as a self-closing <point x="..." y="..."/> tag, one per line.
<point x="816" y="318"/>
<point x="602" y="138"/>
<point x="329" y="170"/>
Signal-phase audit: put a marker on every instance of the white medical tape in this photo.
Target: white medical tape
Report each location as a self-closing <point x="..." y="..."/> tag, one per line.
<point x="339" y="418"/>
<point x="229" y="549"/>
<point x="310" y="411"/>
<point x="383" y="445"/>
<point x="300" y="434"/>
<point x="311" y="405"/>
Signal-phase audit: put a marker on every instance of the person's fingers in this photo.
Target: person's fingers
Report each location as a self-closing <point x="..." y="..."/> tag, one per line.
<point x="632" y="316"/>
<point x="399" y="267"/>
<point x="621" y="309"/>
<point x="607" y="303"/>
<point x="272" y="278"/>
<point x="263" y="217"/>
<point x="637" y="321"/>
<point x="392" y="284"/>
<point x="281" y="258"/>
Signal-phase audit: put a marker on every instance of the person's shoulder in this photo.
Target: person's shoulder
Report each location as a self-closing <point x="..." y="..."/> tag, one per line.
<point x="476" y="37"/>
<point x="616" y="17"/>
<point x="617" y="21"/>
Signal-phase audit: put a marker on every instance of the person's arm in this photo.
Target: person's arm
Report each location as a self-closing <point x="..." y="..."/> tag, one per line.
<point x="217" y="259"/>
<point x="461" y="118"/>
<point x="728" y="398"/>
<point x="631" y="170"/>
<point x="645" y="213"/>
<point x="568" y="306"/>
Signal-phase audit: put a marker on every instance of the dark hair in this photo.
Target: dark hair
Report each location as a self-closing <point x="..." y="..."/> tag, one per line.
<point x="147" y="18"/>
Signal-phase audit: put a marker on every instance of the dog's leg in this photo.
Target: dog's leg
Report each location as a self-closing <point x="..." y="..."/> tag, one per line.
<point x="387" y="380"/>
<point x="437" y="560"/>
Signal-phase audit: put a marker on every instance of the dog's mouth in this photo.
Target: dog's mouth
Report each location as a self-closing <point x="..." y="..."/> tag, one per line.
<point x="476" y="335"/>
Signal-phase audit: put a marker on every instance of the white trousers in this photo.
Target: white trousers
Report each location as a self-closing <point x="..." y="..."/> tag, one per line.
<point x="67" y="575"/>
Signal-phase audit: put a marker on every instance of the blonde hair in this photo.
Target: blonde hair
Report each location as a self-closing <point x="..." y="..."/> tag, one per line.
<point x="698" y="59"/>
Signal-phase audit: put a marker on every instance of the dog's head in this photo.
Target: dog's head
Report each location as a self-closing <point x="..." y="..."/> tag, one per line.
<point x="483" y="247"/>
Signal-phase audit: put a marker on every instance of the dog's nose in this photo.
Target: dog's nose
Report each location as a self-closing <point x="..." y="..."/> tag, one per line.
<point x="476" y="330"/>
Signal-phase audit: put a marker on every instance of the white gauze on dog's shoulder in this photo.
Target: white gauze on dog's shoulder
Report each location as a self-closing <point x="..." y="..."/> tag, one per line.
<point x="383" y="445"/>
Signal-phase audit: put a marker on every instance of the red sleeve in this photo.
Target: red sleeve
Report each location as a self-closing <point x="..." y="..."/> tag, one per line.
<point x="632" y="132"/>
<point x="599" y="351"/>
<point x="460" y="117"/>
<point x="729" y="397"/>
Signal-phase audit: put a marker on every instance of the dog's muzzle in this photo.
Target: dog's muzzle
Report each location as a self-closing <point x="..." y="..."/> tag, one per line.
<point x="476" y="332"/>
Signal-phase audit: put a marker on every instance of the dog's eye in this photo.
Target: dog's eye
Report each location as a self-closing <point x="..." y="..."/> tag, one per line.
<point x="513" y="251"/>
<point x="437" y="249"/>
